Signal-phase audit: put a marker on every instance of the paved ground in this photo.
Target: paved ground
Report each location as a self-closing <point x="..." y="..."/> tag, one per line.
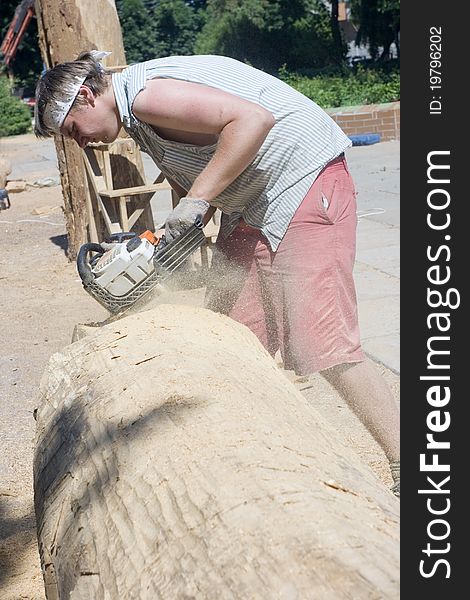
<point x="376" y="171"/>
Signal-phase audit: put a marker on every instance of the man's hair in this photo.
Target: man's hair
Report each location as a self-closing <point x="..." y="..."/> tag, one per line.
<point x="51" y="86"/>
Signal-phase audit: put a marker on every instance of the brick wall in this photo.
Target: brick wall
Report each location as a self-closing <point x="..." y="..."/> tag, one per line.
<point x="370" y="118"/>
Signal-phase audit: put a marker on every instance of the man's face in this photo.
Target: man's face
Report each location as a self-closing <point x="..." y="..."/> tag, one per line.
<point x="91" y="122"/>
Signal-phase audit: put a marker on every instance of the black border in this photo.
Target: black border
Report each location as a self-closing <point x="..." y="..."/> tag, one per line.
<point x="421" y="133"/>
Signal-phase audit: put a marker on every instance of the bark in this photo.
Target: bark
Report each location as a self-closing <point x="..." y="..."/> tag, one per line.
<point x="175" y="460"/>
<point x="65" y="30"/>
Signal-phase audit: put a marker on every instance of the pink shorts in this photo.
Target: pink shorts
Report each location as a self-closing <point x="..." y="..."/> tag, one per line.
<point x="301" y="299"/>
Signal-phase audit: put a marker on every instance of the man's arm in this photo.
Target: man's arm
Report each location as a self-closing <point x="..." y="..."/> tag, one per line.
<point x="181" y="106"/>
<point x="181" y="192"/>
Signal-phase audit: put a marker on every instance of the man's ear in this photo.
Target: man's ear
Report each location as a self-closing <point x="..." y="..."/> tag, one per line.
<point x="87" y="94"/>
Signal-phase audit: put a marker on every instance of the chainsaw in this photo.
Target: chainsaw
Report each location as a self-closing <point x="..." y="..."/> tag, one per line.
<point x="128" y="266"/>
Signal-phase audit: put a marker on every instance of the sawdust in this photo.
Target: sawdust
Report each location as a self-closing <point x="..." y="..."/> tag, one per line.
<point x="42" y="300"/>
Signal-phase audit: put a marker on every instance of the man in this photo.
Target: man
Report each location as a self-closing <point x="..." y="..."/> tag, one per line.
<point x="232" y="137"/>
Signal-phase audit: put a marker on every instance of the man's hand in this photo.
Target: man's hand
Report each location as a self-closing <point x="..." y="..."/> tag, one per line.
<point x="183" y="216"/>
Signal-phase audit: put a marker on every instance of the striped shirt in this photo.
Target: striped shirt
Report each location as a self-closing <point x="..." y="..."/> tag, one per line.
<point x="303" y="140"/>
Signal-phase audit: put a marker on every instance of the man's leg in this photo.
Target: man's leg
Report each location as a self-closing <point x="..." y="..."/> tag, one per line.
<point x="236" y="285"/>
<point x="315" y="261"/>
<point x="369" y="397"/>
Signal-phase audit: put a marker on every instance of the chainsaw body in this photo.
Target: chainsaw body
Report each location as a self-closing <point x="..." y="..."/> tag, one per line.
<point x="129" y="266"/>
<point x="121" y="269"/>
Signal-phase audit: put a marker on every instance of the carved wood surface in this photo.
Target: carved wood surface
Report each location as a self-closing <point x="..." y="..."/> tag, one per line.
<point x="175" y="460"/>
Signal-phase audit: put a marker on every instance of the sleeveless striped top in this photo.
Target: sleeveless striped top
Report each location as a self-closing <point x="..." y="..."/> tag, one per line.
<point x="303" y="140"/>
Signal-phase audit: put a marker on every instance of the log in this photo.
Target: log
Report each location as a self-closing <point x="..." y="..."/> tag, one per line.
<point x="174" y="459"/>
<point x="65" y="29"/>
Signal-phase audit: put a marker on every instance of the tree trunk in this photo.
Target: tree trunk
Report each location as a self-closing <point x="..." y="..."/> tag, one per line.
<point x="175" y="460"/>
<point x="336" y="32"/>
<point x="65" y="30"/>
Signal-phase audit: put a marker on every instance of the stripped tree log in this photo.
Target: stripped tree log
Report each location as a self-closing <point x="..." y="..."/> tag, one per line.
<point x="175" y="460"/>
<point x="66" y="29"/>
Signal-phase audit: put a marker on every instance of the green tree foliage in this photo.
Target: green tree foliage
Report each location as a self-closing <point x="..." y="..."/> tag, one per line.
<point x="364" y="86"/>
<point x="317" y="43"/>
<point x="27" y="64"/>
<point x="155" y="28"/>
<point x="196" y="4"/>
<point x="302" y="34"/>
<point x="270" y="33"/>
<point x="138" y="29"/>
<point x="176" y="26"/>
<point x="15" y="117"/>
<point x="379" y="25"/>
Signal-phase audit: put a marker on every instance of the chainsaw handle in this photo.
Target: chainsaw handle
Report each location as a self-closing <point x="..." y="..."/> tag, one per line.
<point x="120" y="237"/>
<point x="83" y="266"/>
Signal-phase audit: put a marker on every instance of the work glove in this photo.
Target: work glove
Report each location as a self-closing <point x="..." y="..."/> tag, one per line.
<point x="183" y="216"/>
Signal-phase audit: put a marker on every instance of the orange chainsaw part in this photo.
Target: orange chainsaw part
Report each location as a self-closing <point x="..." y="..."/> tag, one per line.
<point x="151" y="237"/>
